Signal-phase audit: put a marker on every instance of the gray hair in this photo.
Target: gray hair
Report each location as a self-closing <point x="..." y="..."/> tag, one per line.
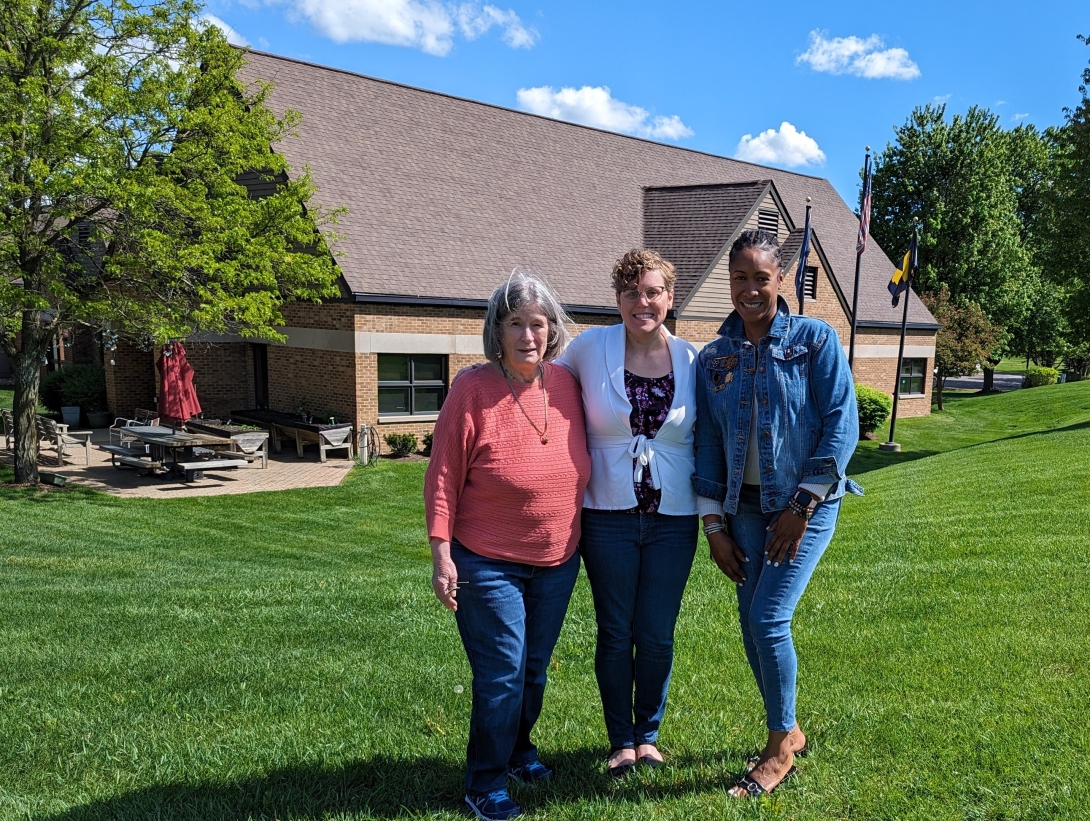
<point x="522" y="289"/>
<point x="761" y="240"/>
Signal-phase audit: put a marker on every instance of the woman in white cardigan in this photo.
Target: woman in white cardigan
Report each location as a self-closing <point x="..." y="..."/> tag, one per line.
<point x="639" y="513"/>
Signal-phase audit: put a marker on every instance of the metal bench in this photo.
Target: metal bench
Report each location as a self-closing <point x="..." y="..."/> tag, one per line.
<point x="9" y="426"/>
<point x="195" y="470"/>
<point x="119" y="453"/>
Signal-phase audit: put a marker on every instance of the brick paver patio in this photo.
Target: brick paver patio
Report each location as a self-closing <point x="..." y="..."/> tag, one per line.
<point x="285" y="471"/>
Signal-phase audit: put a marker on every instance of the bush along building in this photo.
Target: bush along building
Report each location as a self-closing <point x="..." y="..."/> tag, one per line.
<point x="444" y="196"/>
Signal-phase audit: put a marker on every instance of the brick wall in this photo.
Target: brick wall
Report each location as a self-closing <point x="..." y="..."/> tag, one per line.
<point x="223" y="376"/>
<point x="130" y="379"/>
<point x="324" y="382"/>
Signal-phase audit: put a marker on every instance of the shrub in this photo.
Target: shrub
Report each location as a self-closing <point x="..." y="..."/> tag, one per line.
<point x="874" y="408"/>
<point x="401" y="444"/>
<point x="428" y="437"/>
<point x="80" y="385"/>
<point x="1037" y="376"/>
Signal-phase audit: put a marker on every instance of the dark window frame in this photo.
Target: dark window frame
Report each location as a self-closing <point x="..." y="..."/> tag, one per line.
<point x="913" y="371"/>
<point x="412" y="383"/>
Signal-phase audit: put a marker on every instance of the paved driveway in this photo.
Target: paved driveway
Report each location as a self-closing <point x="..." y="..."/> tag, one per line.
<point x="1002" y="382"/>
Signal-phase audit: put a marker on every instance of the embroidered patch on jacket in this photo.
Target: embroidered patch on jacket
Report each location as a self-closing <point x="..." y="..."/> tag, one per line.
<point x="726" y="362"/>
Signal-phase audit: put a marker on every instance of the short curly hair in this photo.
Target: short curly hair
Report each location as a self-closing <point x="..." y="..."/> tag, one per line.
<point x="628" y="270"/>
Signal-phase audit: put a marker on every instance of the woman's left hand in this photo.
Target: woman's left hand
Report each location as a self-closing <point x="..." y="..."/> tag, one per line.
<point x="787" y="532"/>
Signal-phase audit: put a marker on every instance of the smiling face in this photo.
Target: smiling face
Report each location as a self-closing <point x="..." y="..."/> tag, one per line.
<point x="525" y="337"/>
<point x="754" y="286"/>
<point x="644" y="317"/>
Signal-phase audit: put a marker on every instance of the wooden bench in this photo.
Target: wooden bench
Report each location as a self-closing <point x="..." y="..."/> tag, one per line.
<point x="249" y="456"/>
<point x="147" y="465"/>
<point x="9" y="426"/>
<point x="60" y="437"/>
<point x="195" y="470"/>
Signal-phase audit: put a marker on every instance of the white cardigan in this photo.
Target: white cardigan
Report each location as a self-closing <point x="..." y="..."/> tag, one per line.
<point x="617" y="458"/>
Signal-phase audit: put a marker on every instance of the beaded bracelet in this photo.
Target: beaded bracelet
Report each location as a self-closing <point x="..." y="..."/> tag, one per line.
<point x="714" y="527"/>
<point x="801" y="511"/>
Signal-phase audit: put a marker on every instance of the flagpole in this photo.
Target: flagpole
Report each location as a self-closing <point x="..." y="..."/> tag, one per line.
<point x="864" y="218"/>
<point x="801" y="270"/>
<point x="891" y="445"/>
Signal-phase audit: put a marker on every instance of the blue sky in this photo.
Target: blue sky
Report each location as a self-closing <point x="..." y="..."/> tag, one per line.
<point x="796" y="85"/>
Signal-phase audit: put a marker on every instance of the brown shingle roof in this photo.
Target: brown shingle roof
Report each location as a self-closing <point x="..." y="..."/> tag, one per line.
<point x="446" y="195"/>
<point x="689" y="225"/>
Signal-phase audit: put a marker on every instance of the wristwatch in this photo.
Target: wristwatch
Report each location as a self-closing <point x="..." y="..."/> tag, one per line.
<point x="804" y="499"/>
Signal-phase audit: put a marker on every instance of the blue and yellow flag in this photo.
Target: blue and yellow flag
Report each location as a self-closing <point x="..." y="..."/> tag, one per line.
<point x="898" y="283"/>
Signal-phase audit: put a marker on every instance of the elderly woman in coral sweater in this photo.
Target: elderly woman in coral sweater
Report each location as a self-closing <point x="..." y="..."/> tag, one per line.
<point x="503" y="497"/>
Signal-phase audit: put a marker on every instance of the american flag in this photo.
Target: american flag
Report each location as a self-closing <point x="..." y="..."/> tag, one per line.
<point x="864" y="214"/>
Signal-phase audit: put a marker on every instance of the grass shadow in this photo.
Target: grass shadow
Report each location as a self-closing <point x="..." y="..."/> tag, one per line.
<point x="389" y="787"/>
<point x="867" y="459"/>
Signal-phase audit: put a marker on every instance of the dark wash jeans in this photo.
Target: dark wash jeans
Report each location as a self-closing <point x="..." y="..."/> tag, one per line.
<point x="638" y="565"/>
<point x="509" y="616"/>
<point x="767" y="599"/>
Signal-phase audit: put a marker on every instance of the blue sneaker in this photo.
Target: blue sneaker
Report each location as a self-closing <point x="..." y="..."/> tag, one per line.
<point x="493" y="806"/>
<point x="533" y="772"/>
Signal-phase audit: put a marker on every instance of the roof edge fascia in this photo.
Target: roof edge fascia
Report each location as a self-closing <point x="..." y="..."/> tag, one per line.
<point x="911" y="326"/>
<point x="454" y="302"/>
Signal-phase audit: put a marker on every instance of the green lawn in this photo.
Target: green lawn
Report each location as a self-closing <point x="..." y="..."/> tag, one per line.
<point x="7" y="399"/>
<point x="281" y="655"/>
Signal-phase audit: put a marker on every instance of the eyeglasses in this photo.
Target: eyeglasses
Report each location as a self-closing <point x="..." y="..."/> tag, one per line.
<point x="633" y="294"/>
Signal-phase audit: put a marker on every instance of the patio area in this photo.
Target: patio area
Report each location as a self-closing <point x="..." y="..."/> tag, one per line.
<point x="285" y="472"/>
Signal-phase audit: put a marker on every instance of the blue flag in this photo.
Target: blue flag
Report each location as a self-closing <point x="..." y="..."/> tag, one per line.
<point x="804" y="253"/>
<point x="898" y="283"/>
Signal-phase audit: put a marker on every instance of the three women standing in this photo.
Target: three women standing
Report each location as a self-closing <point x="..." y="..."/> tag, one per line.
<point x="639" y="522"/>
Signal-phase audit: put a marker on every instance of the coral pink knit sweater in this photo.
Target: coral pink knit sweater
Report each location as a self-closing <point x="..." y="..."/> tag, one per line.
<point x="492" y="485"/>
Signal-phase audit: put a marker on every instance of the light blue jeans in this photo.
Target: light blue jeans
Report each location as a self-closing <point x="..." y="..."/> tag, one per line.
<point x="767" y="599"/>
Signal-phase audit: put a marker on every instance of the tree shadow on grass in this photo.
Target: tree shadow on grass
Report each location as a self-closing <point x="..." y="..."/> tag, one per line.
<point x="388" y="787"/>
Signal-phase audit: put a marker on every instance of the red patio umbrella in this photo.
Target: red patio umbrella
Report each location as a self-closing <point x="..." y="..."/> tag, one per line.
<point x="177" y="399"/>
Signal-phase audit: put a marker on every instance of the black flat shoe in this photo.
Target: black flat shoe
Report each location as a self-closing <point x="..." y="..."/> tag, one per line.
<point x="621" y="770"/>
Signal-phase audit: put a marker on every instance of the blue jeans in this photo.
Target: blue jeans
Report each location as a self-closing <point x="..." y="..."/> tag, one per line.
<point x="767" y="599"/>
<point x="509" y="616"/>
<point x="638" y="564"/>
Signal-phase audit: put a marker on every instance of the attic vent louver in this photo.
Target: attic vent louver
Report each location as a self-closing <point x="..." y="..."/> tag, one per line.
<point x="768" y="220"/>
<point x="810" y="272"/>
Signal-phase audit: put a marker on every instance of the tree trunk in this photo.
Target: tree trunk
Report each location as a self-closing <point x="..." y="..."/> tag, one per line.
<point x="989" y="380"/>
<point x="28" y="379"/>
<point x="938" y="390"/>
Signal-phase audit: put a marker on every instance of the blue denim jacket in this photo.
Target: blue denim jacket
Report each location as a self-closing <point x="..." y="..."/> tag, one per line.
<point x="807" y="418"/>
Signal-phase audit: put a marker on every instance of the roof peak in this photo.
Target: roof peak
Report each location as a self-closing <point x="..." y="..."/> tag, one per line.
<point x="563" y="123"/>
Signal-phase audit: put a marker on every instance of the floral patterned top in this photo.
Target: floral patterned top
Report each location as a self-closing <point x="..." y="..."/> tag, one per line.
<point x="651" y="398"/>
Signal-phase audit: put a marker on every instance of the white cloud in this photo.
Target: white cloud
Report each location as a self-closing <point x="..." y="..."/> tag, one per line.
<point x="943" y="98"/>
<point x="229" y="31"/>
<point x="853" y="55"/>
<point x="788" y="147"/>
<point x="265" y="44"/>
<point x="475" y="21"/>
<point x="1019" y="117"/>
<point x="428" y="25"/>
<point x="1000" y="102"/>
<point x="595" y="106"/>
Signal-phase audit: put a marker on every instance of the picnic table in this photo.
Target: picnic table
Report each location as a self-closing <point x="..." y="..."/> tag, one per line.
<point x="181" y="447"/>
<point x="333" y="436"/>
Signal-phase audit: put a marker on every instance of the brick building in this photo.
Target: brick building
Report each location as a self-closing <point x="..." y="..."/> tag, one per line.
<point x="445" y="196"/>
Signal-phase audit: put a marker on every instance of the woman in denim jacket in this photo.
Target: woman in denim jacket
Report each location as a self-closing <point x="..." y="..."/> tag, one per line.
<point x="776" y="425"/>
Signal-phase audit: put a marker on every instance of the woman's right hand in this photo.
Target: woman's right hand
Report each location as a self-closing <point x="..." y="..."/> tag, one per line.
<point x="728" y="556"/>
<point x="444" y="575"/>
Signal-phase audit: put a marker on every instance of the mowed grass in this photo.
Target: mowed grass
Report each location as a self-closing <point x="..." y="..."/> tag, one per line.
<point x="281" y="655"/>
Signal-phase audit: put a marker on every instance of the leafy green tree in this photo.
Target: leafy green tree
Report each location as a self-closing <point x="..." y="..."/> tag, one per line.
<point x="1065" y="251"/>
<point x="957" y="176"/>
<point x="123" y="134"/>
<point x="964" y="340"/>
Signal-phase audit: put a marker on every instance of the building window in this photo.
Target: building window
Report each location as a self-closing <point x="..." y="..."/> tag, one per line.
<point x="768" y="220"/>
<point x="411" y="384"/>
<point x="809" y="274"/>
<point x="912" y="375"/>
